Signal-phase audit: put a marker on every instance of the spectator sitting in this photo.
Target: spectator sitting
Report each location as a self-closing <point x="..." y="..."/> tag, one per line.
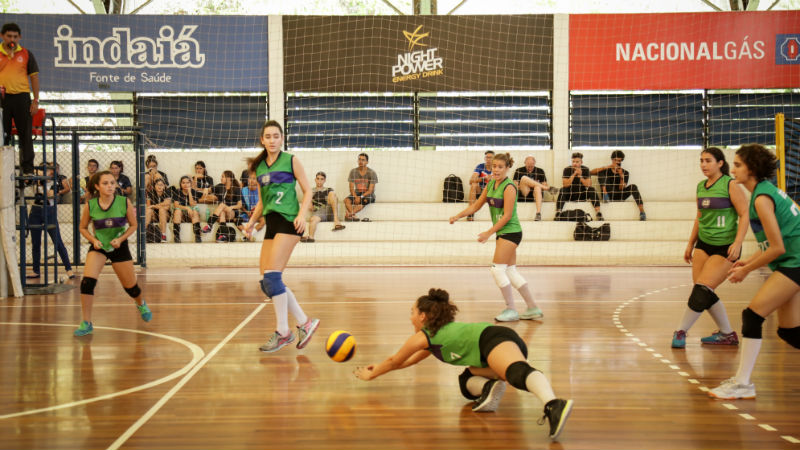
<point x="124" y="186"/>
<point x="63" y="186"/>
<point x="480" y="176"/>
<point x="613" y="181"/>
<point x="250" y="195"/>
<point x="184" y="199"/>
<point x="531" y="182"/>
<point x="229" y="194"/>
<point x="244" y="177"/>
<point x="323" y="207"/>
<point x="201" y="181"/>
<point x="91" y="169"/>
<point x="362" y="181"/>
<point x="159" y="202"/>
<point x="577" y="183"/>
<point x="152" y="173"/>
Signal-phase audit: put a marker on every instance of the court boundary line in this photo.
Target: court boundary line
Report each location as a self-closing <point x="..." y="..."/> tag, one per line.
<point x="182" y="382"/>
<point x="675" y="368"/>
<point x="197" y="354"/>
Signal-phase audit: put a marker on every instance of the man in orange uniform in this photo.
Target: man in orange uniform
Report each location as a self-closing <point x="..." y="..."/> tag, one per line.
<point x="17" y="65"/>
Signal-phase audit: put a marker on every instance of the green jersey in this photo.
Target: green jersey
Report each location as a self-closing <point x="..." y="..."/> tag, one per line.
<point x="277" y="187"/>
<point x="494" y="196"/>
<point x="788" y="217"/>
<point x="110" y="223"/>
<point x="457" y="343"/>
<point x="718" y="218"/>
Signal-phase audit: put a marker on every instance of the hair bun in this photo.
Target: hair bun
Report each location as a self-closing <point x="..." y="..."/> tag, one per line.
<point x="438" y="295"/>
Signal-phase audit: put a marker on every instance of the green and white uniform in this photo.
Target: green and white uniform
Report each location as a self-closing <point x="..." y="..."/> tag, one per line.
<point x="457" y="343"/>
<point x="494" y="196"/>
<point x="110" y="223"/>
<point x="718" y="220"/>
<point x="788" y="216"/>
<point x="277" y="186"/>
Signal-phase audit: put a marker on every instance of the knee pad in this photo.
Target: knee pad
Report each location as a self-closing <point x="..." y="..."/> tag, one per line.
<point x="702" y="298"/>
<point x="87" y="285"/>
<point x="517" y="373"/>
<point x="272" y="284"/>
<point x="499" y="274"/>
<point x="790" y="335"/>
<point x="751" y="324"/>
<point x="517" y="280"/>
<point x="133" y="291"/>
<point x="462" y="383"/>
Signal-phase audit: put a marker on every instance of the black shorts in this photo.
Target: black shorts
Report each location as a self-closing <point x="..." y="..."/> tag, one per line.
<point x="711" y="250"/>
<point x="793" y="273"/>
<point x="365" y="199"/>
<point x="513" y="237"/>
<point x="276" y="223"/>
<point x="118" y="255"/>
<point x="495" y="335"/>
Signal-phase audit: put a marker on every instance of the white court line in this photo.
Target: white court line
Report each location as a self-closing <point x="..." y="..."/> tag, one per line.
<point x="767" y="427"/>
<point x="197" y="353"/>
<point x="791" y="439"/>
<point x="163" y="400"/>
<point x="729" y="406"/>
<point x="747" y="416"/>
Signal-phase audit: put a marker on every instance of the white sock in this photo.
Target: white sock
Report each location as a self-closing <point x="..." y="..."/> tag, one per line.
<point x="281" y="302"/>
<point x="508" y="295"/>
<point x="690" y="316"/>
<point x="538" y="385"/>
<point x="526" y="295"/>
<point x="475" y="385"/>
<point x="720" y="317"/>
<point x="295" y="308"/>
<point x="747" y="359"/>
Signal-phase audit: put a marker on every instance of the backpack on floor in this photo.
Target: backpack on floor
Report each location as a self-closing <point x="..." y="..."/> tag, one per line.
<point x="153" y="234"/>
<point x="226" y="233"/>
<point x="573" y="215"/>
<point x="453" y="191"/>
<point x="584" y="232"/>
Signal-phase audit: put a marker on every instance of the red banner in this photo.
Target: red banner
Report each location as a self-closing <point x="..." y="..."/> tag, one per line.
<point x="731" y="50"/>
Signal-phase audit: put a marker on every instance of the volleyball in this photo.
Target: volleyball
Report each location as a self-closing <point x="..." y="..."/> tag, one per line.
<point x="341" y="346"/>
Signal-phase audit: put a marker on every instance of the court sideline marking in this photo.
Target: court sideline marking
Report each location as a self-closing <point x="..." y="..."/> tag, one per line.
<point x="197" y="353"/>
<point x="674" y="367"/>
<point x="166" y="397"/>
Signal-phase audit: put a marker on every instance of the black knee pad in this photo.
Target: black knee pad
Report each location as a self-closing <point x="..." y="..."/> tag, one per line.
<point x="133" y="291"/>
<point x="751" y="324"/>
<point x="517" y="373"/>
<point x="790" y="335"/>
<point x="87" y="285"/>
<point x="702" y="298"/>
<point x="462" y="383"/>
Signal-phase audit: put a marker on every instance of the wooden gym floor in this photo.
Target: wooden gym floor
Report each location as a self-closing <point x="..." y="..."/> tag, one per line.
<point x="193" y="378"/>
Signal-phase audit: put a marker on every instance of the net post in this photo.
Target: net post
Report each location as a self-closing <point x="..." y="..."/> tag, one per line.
<point x="780" y="150"/>
<point x="9" y="270"/>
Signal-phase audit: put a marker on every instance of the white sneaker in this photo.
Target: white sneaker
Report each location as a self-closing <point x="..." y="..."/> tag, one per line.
<point x="490" y="396"/>
<point x="531" y="314"/>
<point x="508" y="315"/>
<point x="731" y="390"/>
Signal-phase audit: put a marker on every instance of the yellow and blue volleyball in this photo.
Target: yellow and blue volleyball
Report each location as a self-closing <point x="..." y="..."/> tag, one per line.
<point x="341" y="346"/>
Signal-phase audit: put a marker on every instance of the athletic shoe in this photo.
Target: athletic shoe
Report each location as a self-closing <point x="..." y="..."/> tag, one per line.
<point x="642" y="216"/>
<point x="556" y="411"/>
<point x="277" y="342"/>
<point x="490" y="396"/>
<point x="720" y="338"/>
<point x="163" y="237"/>
<point x="144" y="311"/>
<point x="305" y="331"/>
<point x="508" y="315"/>
<point x="222" y="238"/>
<point x="538" y="217"/>
<point x="731" y="390"/>
<point x="206" y="229"/>
<point x="679" y="339"/>
<point x="599" y="216"/>
<point x="84" y="328"/>
<point x="531" y="314"/>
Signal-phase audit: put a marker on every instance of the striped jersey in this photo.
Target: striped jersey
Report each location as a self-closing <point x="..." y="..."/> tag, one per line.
<point x="110" y="223"/>
<point x="457" y="343"/>
<point x="494" y="196"/>
<point x="788" y="216"/>
<point x="718" y="220"/>
<point x="278" y="187"/>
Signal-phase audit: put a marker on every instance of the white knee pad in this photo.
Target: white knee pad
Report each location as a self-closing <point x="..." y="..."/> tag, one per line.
<point x="517" y="280"/>
<point x="499" y="274"/>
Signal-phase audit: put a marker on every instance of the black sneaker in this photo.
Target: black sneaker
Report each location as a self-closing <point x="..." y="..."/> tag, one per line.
<point x="538" y="217"/>
<point x="556" y="411"/>
<point x="490" y="396"/>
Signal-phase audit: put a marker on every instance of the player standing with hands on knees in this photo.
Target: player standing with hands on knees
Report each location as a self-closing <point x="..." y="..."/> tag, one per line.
<point x="493" y="354"/>
<point x="277" y="173"/>
<point x="501" y="194"/>
<point x="113" y="218"/>
<point x="775" y="220"/>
